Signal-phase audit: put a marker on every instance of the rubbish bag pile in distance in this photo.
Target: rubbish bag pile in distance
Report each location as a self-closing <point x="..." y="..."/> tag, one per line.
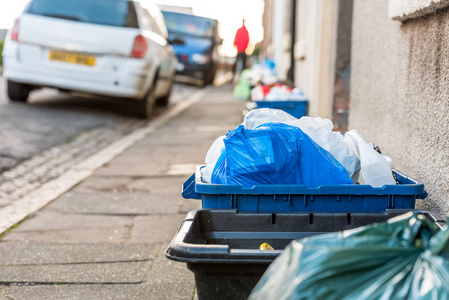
<point x="277" y="92"/>
<point x="263" y="73"/>
<point x="276" y="153"/>
<point x="404" y="258"/>
<point x="346" y="150"/>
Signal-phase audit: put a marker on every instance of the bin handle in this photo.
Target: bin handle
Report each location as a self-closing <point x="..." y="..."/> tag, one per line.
<point x="188" y="189"/>
<point x="423" y="195"/>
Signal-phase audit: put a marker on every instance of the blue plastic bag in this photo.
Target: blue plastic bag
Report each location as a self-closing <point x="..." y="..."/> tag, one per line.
<point x="276" y="153"/>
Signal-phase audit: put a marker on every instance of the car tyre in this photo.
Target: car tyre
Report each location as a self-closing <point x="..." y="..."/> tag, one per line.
<point x="18" y="92"/>
<point x="165" y="100"/>
<point x="145" y="107"/>
<point x="211" y="77"/>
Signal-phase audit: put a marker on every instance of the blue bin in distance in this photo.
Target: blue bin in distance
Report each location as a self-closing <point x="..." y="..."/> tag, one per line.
<point x="296" y="108"/>
<point x="300" y="198"/>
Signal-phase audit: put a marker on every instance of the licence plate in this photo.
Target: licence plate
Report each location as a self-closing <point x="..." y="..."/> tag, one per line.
<point x="73" y="58"/>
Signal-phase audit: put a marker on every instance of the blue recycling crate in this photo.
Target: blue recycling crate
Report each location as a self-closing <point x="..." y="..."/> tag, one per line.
<point x="300" y="198"/>
<point x="296" y="108"/>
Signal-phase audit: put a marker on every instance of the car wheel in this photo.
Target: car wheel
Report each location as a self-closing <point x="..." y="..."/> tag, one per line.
<point x="18" y="92"/>
<point x="145" y="107"/>
<point x="165" y="100"/>
<point x="211" y="77"/>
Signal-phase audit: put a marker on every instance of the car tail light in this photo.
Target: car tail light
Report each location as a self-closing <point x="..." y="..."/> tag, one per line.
<point x="184" y="57"/>
<point x="140" y="47"/>
<point x="15" y="31"/>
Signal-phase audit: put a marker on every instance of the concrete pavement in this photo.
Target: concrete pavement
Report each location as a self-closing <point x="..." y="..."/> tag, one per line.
<point x="105" y="238"/>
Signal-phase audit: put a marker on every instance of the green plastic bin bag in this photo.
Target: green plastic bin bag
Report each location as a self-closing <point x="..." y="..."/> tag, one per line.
<point x="404" y="258"/>
<point x="243" y="89"/>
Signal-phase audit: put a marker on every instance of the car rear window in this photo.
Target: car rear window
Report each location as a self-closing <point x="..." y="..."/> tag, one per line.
<point x="105" y="12"/>
<point x="189" y="24"/>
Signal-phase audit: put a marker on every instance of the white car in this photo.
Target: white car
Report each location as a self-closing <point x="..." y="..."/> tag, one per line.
<point x="115" y="48"/>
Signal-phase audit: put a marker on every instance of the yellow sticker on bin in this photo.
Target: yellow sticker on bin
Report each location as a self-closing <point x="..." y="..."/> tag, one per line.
<point x="265" y="246"/>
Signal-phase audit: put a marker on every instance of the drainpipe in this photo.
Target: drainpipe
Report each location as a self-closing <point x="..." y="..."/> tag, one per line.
<point x="291" y="71"/>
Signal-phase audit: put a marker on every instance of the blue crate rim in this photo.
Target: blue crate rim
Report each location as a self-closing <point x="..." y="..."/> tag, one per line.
<point x="282" y="101"/>
<point x="414" y="188"/>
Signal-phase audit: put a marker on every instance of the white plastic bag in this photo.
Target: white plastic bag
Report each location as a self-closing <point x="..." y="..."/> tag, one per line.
<point x="211" y="159"/>
<point x="351" y="151"/>
<point x="320" y="131"/>
<point x="375" y="168"/>
<point x="260" y="116"/>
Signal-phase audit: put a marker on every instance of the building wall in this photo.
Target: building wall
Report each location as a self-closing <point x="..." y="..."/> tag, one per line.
<point x="344" y="30"/>
<point x="316" y="23"/>
<point x="400" y="92"/>
<point x="277" y="35"/>
<point x="342" y="65"/>
<point x="266" y="46"/>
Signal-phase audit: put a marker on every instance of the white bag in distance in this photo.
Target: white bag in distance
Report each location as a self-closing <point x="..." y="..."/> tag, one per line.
<point x="375" y="168"/>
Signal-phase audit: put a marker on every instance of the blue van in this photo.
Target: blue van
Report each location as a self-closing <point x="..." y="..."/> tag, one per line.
<point x="195" y="40"/>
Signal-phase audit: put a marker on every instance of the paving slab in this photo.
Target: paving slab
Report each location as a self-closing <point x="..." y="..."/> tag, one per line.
<point x="165" y="280"/>
<point x="19" y="253"/>
<point x="97" y="291"/>
<point x="178" y="139"/>
<point x="167" y="185"/>
<point x="147" y="149"/>
<point x="53" y="221"/>
<point x="123" y="272"/>
<point x="151" y="148"/>
<point x="133" y="165"/>
<point x="164" y="291"/>
<point x="3" y="293"/>
<point x="170" y="278"/>
<point x="156" y="229"/>
<point x="76" y="292"/>
<point x="62" y="228"/>
<point x="161" y="185"/>
<point x="95" y="235"/>
<point x="127" y="204"/>
<point x="193" y="156"/>
<point x="142" y="162"/>
<point x="103" y="184"/>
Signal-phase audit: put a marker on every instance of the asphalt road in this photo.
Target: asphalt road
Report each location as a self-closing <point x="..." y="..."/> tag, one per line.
<point x="52" y="118"/>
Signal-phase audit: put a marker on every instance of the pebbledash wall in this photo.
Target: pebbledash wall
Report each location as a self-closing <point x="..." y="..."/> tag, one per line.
<point x="400" y="88"/>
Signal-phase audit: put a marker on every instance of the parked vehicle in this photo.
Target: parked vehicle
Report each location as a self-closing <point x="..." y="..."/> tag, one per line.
<point x="115" y="48"/>
<point x="195" y="40"/>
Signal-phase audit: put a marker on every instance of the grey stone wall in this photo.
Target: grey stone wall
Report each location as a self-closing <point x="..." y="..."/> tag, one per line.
<point x="400" y="93"/>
